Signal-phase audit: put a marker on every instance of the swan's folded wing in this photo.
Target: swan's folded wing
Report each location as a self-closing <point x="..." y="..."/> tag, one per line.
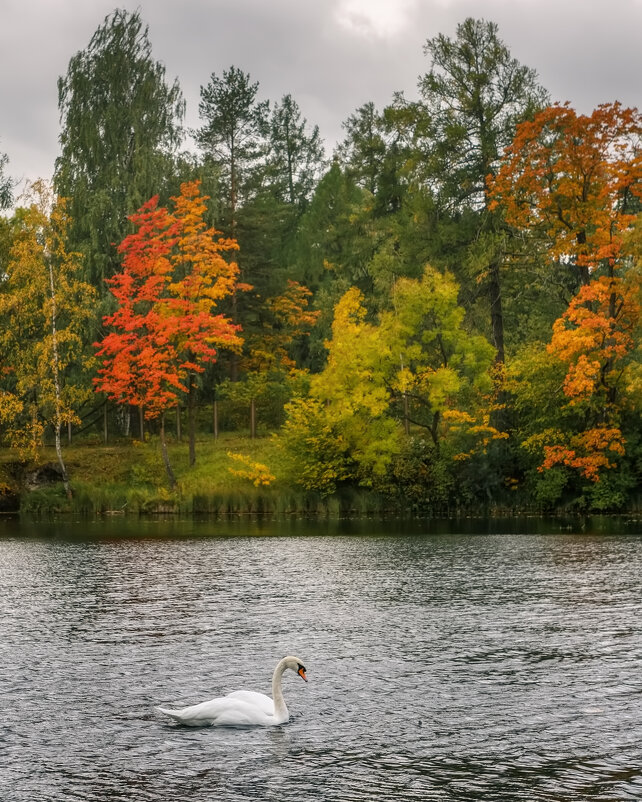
<point x="259" y="700"/>
<point x="222" y="712"/>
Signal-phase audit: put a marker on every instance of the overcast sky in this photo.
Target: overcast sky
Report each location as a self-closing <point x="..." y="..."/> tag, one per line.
<point x="330" y="55"/>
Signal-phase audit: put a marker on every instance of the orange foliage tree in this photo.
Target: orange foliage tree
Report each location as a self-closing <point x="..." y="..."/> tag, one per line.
<point x="164" y="328"/>
<point x="576" y="180"/>
<point x="595" y="339"/>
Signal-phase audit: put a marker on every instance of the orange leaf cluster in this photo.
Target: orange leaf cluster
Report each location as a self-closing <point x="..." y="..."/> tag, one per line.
<point x="588" y="452"/>
<point x="164" y="325"/>
<point x="595" y="334"/>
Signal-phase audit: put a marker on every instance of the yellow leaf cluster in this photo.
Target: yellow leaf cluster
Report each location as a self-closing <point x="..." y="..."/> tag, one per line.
<point x="255" y="472"/>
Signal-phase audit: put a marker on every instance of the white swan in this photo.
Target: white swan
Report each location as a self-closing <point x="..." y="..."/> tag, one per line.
<point x="242" y="708"/>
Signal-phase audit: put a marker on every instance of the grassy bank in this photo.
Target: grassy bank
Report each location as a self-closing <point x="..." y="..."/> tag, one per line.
<point x="128" y="478"/>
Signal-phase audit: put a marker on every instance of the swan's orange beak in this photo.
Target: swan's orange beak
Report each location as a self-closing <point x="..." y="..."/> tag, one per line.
<point x="301" y="673"/>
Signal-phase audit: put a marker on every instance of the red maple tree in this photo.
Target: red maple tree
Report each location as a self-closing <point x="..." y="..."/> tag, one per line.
<point x="164" y="328"/>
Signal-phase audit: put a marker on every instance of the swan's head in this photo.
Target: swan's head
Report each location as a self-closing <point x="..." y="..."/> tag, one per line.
<point x="297" y="666"/>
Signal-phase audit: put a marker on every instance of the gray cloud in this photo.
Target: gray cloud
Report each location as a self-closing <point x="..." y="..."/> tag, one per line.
<point x="585" y="52"/>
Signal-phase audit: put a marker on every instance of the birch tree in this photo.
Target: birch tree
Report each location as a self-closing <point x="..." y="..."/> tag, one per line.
<point x="45" y="308"/>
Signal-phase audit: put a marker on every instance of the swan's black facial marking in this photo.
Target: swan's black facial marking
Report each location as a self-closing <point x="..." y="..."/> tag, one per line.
<point x="301" y="671"/>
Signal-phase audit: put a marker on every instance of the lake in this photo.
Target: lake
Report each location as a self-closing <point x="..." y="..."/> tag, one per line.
<point x="455" y="661"/>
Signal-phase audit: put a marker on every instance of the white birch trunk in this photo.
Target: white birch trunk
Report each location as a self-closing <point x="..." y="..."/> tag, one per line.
<point x="56" y="373"/>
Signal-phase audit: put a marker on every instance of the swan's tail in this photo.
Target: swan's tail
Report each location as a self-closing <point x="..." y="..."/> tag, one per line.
<point x="193" y="716"/>
<point x="175" y="714"/>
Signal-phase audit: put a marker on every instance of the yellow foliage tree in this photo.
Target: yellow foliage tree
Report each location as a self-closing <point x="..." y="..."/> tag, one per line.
<point x="46" y="310"/>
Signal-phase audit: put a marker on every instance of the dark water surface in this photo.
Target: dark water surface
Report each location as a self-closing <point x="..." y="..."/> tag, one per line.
<point x="442" y="666"/>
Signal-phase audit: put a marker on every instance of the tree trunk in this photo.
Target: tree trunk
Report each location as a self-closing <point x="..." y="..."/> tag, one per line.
<point x="105" y="421"/>
<point x="179" y="432"/>
<point x="56" y="377"/>
<point x="434" y="429"/>
<point x="215" y="415"/>
<point x="168" y="466"/>
<point x="191" y="428"/>
<point x="496" y="313"/>
<point x="585" y="273"/>
<point x="234" y="357"/>
<point x="141" y="423"/>
<point x="61" y="462"/>
<point x="252" y="419"/>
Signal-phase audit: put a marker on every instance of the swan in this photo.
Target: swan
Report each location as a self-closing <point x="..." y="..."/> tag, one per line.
<point x="242" y="708"/>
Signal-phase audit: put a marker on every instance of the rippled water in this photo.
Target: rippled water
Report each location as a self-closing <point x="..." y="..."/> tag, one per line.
<point x="441" y="666"/>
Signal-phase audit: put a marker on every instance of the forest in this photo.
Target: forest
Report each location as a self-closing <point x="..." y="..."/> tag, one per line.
<point x="440" y="315"/>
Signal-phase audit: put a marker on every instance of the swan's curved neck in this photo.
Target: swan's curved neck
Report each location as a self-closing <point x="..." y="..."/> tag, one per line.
<point x="280" y="708"/>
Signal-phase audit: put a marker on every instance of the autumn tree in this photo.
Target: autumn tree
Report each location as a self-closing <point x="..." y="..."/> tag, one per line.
<point x="45" y="308"/>
<point x="316" y="453"/>
<point x="439" y="372"/>
<point x="139" y="363"/>
<point x="341" y="431"/>
<point x="121" y="126"/>
<point x="595" y="339"/>
<point x="573" y="182"/>
<point x="575" y="445"/>
<point x="413" y="370"/>
<point x="164" y="329"/>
